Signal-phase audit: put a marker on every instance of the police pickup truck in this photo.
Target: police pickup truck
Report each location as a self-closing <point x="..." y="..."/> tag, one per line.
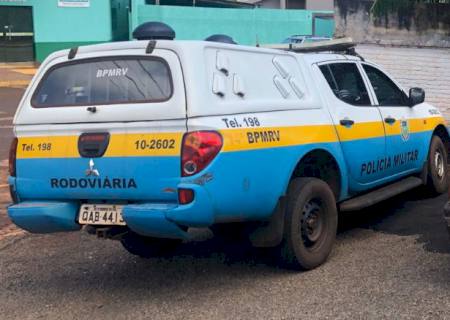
<point x="141" y="140"/>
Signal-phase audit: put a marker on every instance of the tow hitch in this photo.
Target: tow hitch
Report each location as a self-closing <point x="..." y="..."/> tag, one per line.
<point x="112" y="233"/>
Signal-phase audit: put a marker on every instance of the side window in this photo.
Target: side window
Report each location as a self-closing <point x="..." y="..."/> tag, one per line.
<point x="346" y="82"/>
<point x="329" y="77"/>
<point x="387" y="92"/>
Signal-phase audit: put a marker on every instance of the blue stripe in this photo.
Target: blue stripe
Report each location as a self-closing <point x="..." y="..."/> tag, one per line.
<point x="154" y="177"/>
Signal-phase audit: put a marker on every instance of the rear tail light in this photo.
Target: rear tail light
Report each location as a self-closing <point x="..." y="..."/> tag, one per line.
<point x="185" y="196"/>
<point x="12" y="157"/>
<point x="198" y="150"/>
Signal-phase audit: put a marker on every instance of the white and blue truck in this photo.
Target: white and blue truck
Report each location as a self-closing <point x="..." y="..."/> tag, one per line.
<point x="142" y="140"/>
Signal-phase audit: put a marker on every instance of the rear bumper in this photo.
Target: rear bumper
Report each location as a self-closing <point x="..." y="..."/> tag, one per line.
<point x="447" y="215"/>
<point x="45" y="216"/>
<point x="148" y="219"/>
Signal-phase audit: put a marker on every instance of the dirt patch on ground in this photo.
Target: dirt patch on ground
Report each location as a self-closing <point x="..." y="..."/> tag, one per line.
<point x="4" y="191"/>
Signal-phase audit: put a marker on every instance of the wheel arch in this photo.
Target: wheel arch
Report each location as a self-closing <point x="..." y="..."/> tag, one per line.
<point x="442" y="132"/>
<point x="321" y="164"/>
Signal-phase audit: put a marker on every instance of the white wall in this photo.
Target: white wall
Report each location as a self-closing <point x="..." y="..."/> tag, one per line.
<point x="300" y="4"/>
<point x="416" y="67"/>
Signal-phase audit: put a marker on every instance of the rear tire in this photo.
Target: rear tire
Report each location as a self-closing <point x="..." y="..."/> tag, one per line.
<point x="437" y="181"/>
<point x="310" y="224"/>
<point x="148" y="247"/>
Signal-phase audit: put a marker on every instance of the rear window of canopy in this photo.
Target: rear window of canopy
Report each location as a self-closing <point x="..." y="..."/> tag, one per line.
<point x="105" y="81"/>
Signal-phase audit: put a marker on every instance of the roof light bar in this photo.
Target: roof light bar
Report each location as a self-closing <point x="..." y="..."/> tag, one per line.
<point x="335" y="45"/>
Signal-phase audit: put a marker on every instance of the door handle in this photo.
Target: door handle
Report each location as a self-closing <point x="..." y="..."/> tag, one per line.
<point x="389" y="120"/>
<point x="347" y="122"/>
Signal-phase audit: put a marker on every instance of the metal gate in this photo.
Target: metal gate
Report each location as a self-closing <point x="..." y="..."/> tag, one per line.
<point x="120" y="11"/>
<point x="16" y="34"/>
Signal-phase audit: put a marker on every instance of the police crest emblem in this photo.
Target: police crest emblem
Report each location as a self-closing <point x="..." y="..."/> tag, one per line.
<point x="404" y="130"/>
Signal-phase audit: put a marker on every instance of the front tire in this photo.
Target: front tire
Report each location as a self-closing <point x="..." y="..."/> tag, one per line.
<point x="148" y="247"/>
<point x="437" y="180"/>
<point x="310" y="224"/>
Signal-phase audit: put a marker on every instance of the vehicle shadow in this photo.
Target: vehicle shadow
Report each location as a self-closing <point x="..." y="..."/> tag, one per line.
<point x="414" y="213"/>
<point x="228" y="251"/>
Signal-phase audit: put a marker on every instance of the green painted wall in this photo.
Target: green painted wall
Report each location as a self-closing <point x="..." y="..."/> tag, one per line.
<point x="324" y="27"/>
<point x="58" y="28"/>
<point x="61" y="28"/>
<point x="44" y="49"/>
<point x="244" y="25"/>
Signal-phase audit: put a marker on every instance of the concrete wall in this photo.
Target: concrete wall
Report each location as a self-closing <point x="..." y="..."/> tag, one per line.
<point x="295" y="4"/>
<point x="270" y="4"/>
<point x="411" y="24"/>
<point x="60" y="28"/>
<point x="246" y="26"/>
<point x="320" y="4"/>
<point x="327" y="5"/>
<point x="282" y="4"/>
<point x="416" y="67"/>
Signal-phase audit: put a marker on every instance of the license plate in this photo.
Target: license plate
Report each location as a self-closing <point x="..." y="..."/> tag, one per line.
<point x="101" y="214"/>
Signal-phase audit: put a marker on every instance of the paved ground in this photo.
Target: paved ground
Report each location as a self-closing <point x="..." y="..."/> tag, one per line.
<point x="390" y="262"/>
<point x="9" y="98"/>
<point x="16" y="74"/>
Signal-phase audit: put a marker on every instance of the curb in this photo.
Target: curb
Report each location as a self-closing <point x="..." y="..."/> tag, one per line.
<point x="17" y="66"/>
<point x="14" y="83"/>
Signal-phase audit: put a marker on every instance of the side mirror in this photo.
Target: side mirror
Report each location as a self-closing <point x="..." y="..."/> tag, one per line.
<point x="416" y="96"/>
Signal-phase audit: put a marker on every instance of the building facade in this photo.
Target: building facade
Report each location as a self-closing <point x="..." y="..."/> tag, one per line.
<point x="32" y="29"/>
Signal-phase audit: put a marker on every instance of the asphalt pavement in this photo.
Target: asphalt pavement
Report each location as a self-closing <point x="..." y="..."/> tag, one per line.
<point x="391" y="261"/>
<point x="9" y="99"/>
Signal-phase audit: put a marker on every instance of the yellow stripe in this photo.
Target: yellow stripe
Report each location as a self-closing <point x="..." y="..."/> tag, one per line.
<point x="259" y="138"/>
<point x="48" y="147"/>
<point x="121" y="145"/>
<point x="364" y="130"/>
<point x="161" y="144"/>
<point x="415" y="125"/>
<point x="432" y="123"/>
<point x="169" y="144"/>
<point x="241" y="139"/>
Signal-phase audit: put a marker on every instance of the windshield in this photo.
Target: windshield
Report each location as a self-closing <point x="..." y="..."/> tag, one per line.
<point x="103" y="81"/>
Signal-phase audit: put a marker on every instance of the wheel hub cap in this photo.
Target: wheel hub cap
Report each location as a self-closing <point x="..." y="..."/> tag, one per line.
<point x="312" y="222"/>
<point x="439" y="164"/>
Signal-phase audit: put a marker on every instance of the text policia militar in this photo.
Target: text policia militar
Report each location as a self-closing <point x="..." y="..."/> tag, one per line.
<point x="400" y="159"/>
